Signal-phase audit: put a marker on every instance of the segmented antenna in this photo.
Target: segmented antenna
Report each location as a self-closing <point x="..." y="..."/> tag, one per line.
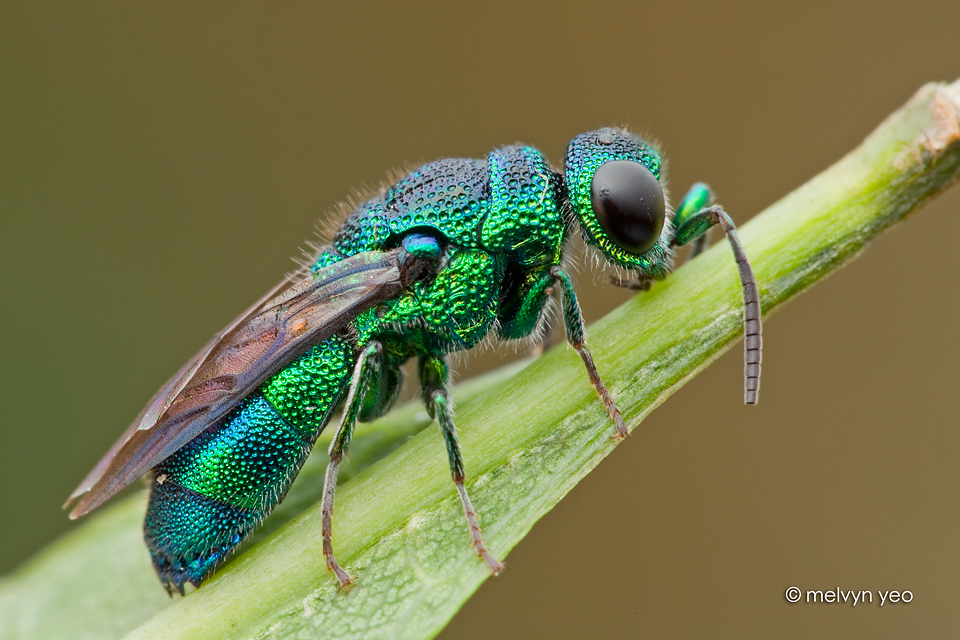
<point x="752" y="340"/>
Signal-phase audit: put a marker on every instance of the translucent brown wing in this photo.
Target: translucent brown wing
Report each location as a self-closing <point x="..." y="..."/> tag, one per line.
<point x="281" y="326"/>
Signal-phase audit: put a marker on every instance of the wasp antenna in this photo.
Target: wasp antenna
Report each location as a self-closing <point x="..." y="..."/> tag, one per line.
<point x="752" y="338"/>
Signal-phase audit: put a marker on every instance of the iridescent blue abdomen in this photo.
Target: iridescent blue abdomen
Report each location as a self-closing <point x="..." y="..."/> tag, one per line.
<point x="210" y="494"/>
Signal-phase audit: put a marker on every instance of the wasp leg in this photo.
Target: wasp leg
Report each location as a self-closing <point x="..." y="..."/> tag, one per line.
<point x="695" y="226"/>
<point x="548" y="336"/>
<point x="699" y="246"/>
<point x="576" y="336"/>
<point x="433" y="384"/>
<point x="634" y="284"/>
<point x="368" y="364"/>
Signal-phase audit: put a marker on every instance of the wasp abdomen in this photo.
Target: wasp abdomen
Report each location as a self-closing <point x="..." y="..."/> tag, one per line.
<point x="207" y="497"/>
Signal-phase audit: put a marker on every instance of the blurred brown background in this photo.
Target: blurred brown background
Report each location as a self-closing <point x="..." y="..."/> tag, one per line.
<point x="158" y="168"/>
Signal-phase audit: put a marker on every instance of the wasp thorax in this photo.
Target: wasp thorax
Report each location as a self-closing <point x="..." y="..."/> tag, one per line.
<point x="629" y="204"/>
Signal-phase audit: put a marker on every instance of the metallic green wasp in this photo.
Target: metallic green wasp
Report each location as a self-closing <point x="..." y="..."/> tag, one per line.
<point x="455" y="250"/>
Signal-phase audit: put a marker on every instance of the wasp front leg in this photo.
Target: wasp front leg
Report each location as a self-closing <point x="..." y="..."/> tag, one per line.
<point x="576" y="336"/>
<point x="634" y="284"/>
<point x="433" y="384"/>
<point x="369" y="364"/>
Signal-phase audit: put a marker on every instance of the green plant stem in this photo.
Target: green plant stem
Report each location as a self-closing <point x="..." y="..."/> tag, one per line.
<point x="528" y="439"/>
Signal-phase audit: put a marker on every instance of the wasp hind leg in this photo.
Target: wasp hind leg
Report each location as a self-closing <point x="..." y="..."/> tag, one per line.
<point x="369" y="364"/>
<point x="433" y="384"/>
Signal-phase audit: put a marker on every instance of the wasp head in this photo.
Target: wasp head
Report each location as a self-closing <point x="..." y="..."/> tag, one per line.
<point x="613" y="182"/>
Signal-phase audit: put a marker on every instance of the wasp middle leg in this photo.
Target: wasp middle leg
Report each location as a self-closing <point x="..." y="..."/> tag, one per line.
<point x="433" y="383"/>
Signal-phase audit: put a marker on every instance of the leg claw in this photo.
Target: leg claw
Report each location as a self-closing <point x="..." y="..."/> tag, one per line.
<point x="495" y="565"/>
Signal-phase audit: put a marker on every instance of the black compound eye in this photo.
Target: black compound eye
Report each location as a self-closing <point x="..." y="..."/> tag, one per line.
<point x="629" y="204"/>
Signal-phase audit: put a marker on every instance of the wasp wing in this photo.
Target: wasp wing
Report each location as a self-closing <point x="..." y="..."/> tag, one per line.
<point x="165" y="396"/>
<point x="281" y="326"/>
